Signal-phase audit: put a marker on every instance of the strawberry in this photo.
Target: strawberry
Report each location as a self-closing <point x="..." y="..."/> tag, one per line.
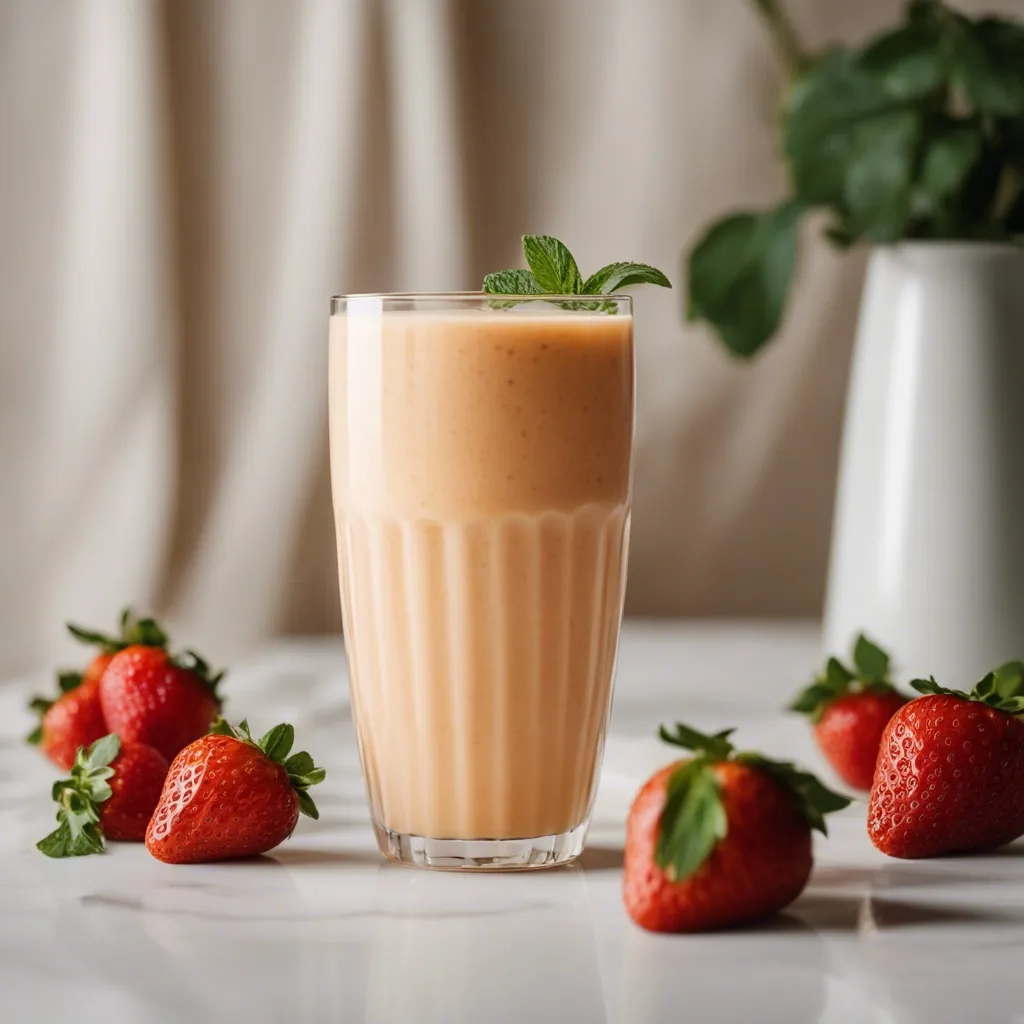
<point x="950" y="773"/>
<point x="849" y="709"/>
<point x="75" y="718"/>
<point x="228" y="795"/>
<point x="720" y="839"/>
<point x="149" y="696"/>
<point x="112" y="791"/>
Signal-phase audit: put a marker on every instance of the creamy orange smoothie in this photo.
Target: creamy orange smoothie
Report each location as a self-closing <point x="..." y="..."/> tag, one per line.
<point x="480" y="463"/>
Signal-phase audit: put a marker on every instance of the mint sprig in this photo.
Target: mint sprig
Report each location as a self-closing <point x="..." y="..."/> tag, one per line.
<point x="869" y="674"/>
<point x="276" y="745"/>
<point x="78" y="798"/>
<point x="693" y="818"/>
<point x="553" y="271"/>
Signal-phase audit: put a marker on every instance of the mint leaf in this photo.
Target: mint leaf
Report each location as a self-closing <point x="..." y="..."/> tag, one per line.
<point x="553" y="271"/>
<point x="871" y="661"/>
<point x="553" y="266"/>
<point x="740" y="273"/>
<point x="692" y="821"/>
<point x="623" y="275"/>
<point x="511" y="282"/>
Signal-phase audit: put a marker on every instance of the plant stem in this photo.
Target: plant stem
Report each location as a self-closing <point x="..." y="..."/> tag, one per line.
<point x="784" y="36"/>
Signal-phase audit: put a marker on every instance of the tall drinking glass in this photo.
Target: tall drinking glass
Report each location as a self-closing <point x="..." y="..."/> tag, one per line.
<point x="481" y="462"/>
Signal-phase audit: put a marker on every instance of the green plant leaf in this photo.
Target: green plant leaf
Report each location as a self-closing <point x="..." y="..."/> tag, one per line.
<point x="740" y="274"/>
<point x="988" y="65"/>
<point x="871" y="661"/>
<point x="692" y="821"/>
<point x="880" y="171"/>
<point x="716" y="746"/>
<point x="553" y="266"/>
<point x="827" y="107"/>
<point x="623" y="275"/>
<point x="950" y="153"/>
<point x="911" y="61"/>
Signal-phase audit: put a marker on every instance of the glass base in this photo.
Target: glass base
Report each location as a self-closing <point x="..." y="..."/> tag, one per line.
<point x="481" y="854"/>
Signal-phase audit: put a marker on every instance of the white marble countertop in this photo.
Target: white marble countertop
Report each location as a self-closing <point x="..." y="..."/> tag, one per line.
<point x="322" y="930"/>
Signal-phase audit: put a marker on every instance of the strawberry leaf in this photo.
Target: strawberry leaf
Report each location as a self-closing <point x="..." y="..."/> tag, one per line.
<point x="871" y="661"/>
<point x="870" y="674"/>
<point x="1009" y="679"/>
<point x="717" y="746"/>
<point x="990" y="691"/>
<point x="299" y="764"/>
<point x="692" y="821"/>
<point x="68" y="681"/>
<point x="146" y="632"/>
<point x="78" y="798"/>
<point x="306" y="805"/>
<point x="192" y="662"/>
<point x="277" y="743"/>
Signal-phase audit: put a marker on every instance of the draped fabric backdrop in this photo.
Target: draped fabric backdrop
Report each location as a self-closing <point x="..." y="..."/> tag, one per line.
<point x="183" y="185"/>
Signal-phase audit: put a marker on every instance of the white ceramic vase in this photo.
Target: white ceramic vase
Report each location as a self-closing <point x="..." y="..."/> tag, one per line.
<point x="928" y="538"/>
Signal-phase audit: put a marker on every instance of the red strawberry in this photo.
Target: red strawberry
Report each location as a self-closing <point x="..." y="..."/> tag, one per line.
<point x="228" y="796"/>
<point x="849" y="709"/>
<point x="75" y="718"/>
<point x="150" y="697"/>
<point x="721" y="839"/>
<point x="950" y="773"/>
<point x="111" y="793"/>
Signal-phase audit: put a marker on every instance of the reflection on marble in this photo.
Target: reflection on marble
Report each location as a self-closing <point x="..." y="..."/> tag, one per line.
<point x="323" y="931"/>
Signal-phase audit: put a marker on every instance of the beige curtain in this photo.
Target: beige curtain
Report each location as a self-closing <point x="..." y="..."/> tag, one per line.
<point x="182" y="186"/>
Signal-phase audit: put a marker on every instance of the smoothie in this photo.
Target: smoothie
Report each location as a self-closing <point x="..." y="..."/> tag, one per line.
<point x="480" y="463"/>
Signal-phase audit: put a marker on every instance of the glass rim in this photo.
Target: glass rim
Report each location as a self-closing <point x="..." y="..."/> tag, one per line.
<point x="478" y="296"/>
